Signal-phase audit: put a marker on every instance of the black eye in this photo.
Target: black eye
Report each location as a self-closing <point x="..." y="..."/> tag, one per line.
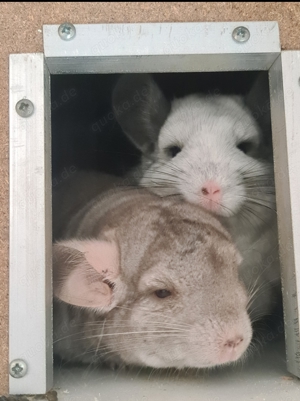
<point x="172" y="151"/>
<point x="162" y="293"/>
<point x="245" y="146"/>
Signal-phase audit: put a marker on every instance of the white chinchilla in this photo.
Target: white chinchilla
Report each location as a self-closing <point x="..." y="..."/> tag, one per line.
<point x="209" y="150"/>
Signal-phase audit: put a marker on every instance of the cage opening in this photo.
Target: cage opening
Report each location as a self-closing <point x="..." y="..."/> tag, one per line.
<point x="86" y="136"/>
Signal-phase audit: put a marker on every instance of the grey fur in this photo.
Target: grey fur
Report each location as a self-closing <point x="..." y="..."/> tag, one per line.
<point x="162" y="243"/>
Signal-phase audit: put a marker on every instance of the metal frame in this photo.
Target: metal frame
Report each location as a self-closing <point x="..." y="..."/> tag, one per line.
<point x="285" y="106"/>
<point x="30" y="250"/>
<point x="115" y="48"/>
<point x="167" y="47"/>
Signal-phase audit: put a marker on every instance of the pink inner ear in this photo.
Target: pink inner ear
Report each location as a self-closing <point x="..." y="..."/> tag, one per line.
<point x="104" y="259"/>
<point x="79" y="290"/>
<point x="84" y="285"/>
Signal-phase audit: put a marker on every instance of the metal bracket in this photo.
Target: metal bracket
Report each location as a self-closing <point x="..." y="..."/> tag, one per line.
<point x="30" y="242"/>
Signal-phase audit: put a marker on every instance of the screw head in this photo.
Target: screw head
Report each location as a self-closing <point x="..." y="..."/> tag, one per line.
<point x="67" y="31"/>
<point x="241" y="34"/>
<point x="24" y="108"/>
<point x="17" y="368"/>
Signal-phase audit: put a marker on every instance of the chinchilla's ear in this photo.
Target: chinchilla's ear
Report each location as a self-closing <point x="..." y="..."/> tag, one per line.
<point x="86" y="273"/>
<point x="140" y="108"/>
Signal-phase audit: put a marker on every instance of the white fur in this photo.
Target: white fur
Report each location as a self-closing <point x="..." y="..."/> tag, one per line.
<point x="209" y="130"/>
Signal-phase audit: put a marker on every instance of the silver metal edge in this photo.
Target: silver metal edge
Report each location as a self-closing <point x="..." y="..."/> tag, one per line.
<point x="285" y="107"/>
<point x="30" y="239"/>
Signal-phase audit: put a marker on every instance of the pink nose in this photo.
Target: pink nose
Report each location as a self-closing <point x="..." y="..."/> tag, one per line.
<point x="233" y="342"/>
<point x="211" y="191"/>
<point x="231" y="349"/>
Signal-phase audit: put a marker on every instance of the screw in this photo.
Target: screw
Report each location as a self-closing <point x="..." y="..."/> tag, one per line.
<point x="67" y="31"/>
<point x="17" y="368"/>
<point x="241" y="34"/>
<point x="24" y="108"/>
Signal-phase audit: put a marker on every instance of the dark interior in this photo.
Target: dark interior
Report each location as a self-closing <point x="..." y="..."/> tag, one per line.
<point x="85" y="134"/>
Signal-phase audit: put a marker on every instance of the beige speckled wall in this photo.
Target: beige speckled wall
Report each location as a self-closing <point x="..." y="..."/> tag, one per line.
<point x="20" y="32"/>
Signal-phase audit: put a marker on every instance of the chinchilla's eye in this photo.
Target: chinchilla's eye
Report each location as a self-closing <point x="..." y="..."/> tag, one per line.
<point x="172" y="151"/>
<point x="245" y="146"/>
<point x="162" y="293"/>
